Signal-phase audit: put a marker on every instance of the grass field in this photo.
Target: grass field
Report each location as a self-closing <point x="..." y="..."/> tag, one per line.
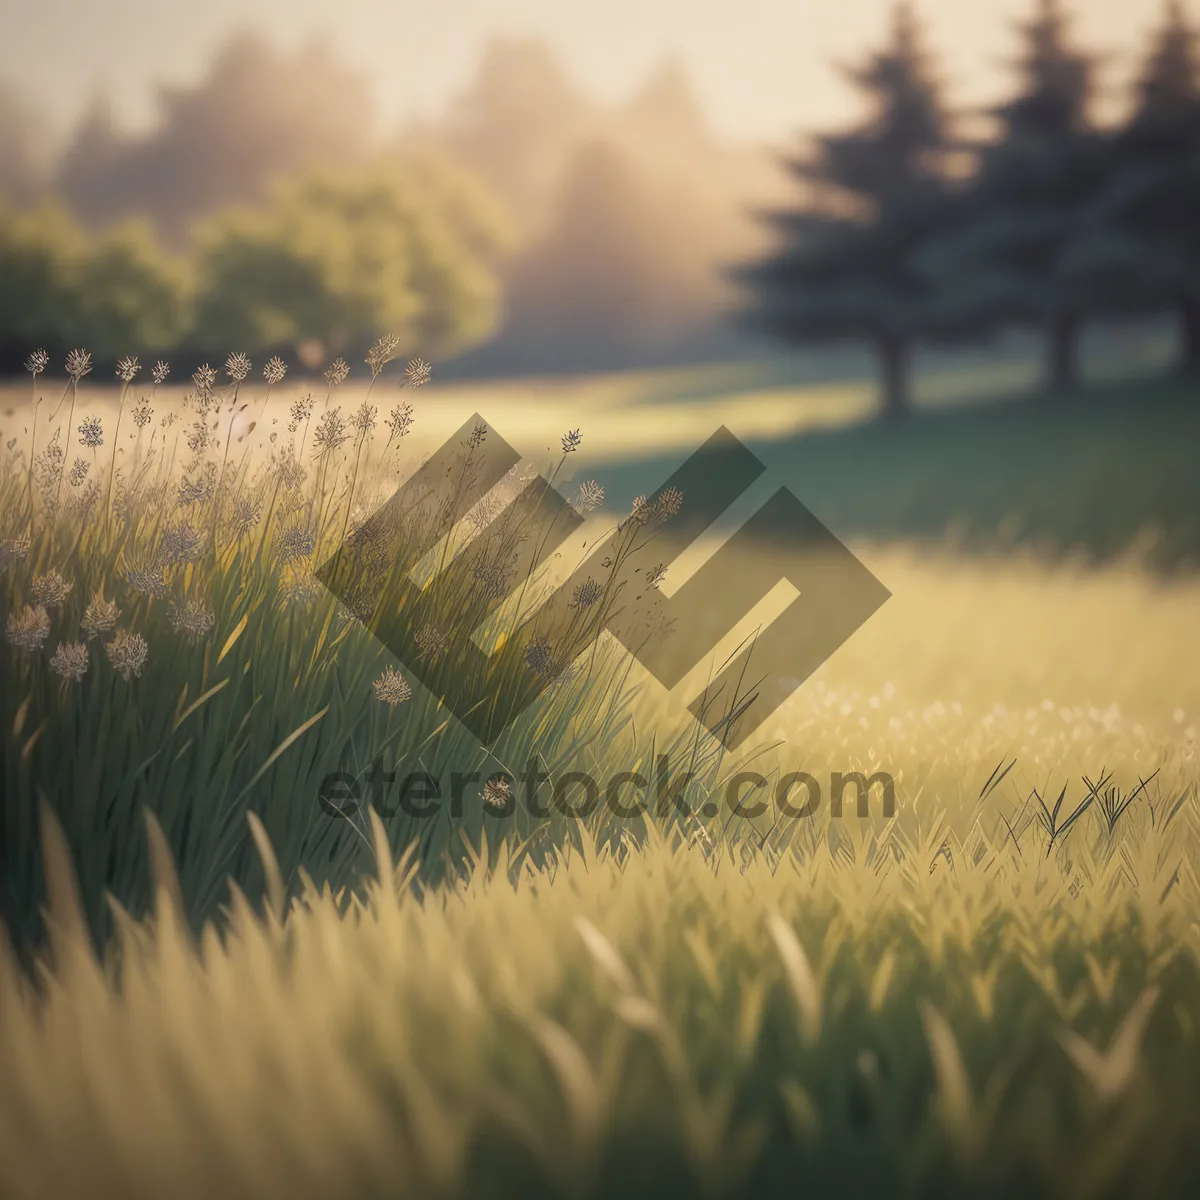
<point x="994" y="991"/>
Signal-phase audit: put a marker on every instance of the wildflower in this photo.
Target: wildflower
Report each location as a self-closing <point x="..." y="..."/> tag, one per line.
<point x="364" y="418"/>
<point x="79" y="363"/>
<point x="591" y="496"/>
<point x="37" y="362"/>
<point x="91" y="433"/>
<point x="571" y="441"/>
<point x="640" y="511"/>
<point x="192" y="618"/>
<point x="182" y="543"/>
<point x="127" y="652"/>
<point x="497" y="792"/>
<point x="237" y="367"/>
<point x="301" y="411"/>
<point x="400" y="421"/>
<point x="432" y="642"/>
<point x="586" y="594"/>
<point x="392" y="688"/>
<point x="331" y="432"/>
<point x="100" y="616"/>
<point x="128" y="368"/>
<point x="296" y="542"/>
<point x="142" y="414"/>
<point x="79" y="470"/>
<point x="169" y="419"/>
<point x="205" y="379"/>
<point x="540" y="655"/>
<point x="145" y="575"/>
<point x="274" y="371"/>
<point x="417" y="372"/>
<point x="478" y="434"/>
<point x="51" y="589"/>
<point x="656" y="574"/>
<point x="246" y="514"/>
<point x="13" y="550"/>
<point x="70" y="661"/>
<point x="161" y="371"/>
<point x="381" y="353"/>
<point x="29" y="628"/>
<point x="670" y="502"/>
<point x="337" y="372"/>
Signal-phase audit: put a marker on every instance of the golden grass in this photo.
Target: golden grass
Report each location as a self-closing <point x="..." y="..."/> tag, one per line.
<point x="952" y="1002"/>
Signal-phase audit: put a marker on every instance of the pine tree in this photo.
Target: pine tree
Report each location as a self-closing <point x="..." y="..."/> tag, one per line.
<point x="1138" y="247"/>
<point x="1168" y="90"/>
<point x="998" y="260"/>
<point x="843" y="269"/>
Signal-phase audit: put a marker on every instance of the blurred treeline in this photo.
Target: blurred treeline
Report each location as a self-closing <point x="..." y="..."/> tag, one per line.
<point x="527" y="228"/>
<point x="266" y="211"/>
<point x="927" y="224"/>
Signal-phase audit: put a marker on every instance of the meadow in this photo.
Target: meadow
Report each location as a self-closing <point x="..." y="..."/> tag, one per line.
<point x="995" y="990"/>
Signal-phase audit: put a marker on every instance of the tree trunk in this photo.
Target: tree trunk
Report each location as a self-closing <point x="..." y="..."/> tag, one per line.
<point x="893" y="359"/>
<point x="1064" y="351"/>
<point x="1189" y="322"/>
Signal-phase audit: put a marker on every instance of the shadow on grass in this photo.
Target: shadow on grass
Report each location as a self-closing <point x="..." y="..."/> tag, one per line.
<point x="1105" y="473"/>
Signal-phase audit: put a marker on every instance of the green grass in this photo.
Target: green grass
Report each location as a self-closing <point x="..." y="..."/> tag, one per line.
<point x="1102" y="474"/>
<point x="883" y="1015"/>
<point x="991" y="993"/>
<point x="273" y="692"/>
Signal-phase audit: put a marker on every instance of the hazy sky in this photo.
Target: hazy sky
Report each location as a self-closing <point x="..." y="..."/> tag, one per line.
<point x="762" y="66"/>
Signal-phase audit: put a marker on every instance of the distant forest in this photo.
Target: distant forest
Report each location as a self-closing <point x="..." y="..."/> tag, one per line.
<point x="604" y="226"/>
<point x="529" y="229"/>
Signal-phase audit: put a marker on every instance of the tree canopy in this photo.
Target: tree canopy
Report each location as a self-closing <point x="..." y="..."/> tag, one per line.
<point x="843" y="267"/>
<point x="337" y="257"/>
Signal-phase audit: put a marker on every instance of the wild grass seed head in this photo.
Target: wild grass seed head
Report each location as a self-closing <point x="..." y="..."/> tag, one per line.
<point x="382" y="353"/>
<point x="100" y="616"/>
<point x="591" y="496"/>
<point x="91" y="433"/>
<point x="29" y="628"/>
<point x="399" y="421"/>
<point x="13" y="550"/>
<point x="237" y="367"/>
<point x="417" y="373"/>
<point x="432" y="642"/>
<point x="296" y="542"/>
<point x="301" y="411"/>
<point x="392" y="688"/>
<point x="70" y="661"/>
<point x="193" y="618"/>
<point x="51" y="589"/>
<point x="127" y="652"/>
<point x="79" y="364"/>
